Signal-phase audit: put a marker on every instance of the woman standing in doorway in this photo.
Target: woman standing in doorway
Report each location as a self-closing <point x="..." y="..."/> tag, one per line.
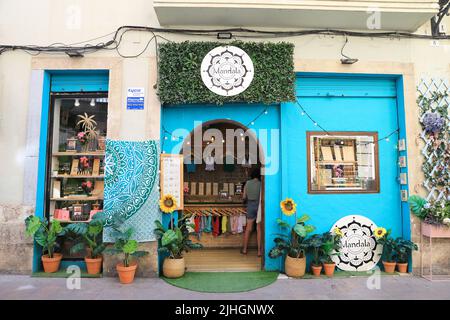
<point x="252" y="193"/>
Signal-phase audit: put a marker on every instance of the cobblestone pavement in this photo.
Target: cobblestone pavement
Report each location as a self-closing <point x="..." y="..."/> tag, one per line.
<point x="391" y="287"/>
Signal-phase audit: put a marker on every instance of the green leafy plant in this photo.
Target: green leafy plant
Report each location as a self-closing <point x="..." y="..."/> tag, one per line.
<point x="389" y="244"/>
<point x="180" y="79"/>
<point x="314" y="244"/>
<point x="404" y="249"/>
<point x="431" y="212"/>
<point x="294" y="244"/>
<point x="123" y="243"/>
<point x="44" y="234"/>
<point x="175" y="241"/>
<point x="89" y="235"/>
<point x="331" y="246"/>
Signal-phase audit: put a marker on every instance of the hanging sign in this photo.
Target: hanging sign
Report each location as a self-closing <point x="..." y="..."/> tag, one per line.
<point x="171" y="180"/>
<point x="135" y="98"/>
<point x="227" y="71"/>
<point x="360" y="250"/>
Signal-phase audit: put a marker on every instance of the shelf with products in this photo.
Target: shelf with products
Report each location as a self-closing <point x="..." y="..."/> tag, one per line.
<point x="75" y="177"/>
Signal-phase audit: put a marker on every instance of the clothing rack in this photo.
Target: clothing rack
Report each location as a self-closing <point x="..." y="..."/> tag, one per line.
<point x="214" y="211"/>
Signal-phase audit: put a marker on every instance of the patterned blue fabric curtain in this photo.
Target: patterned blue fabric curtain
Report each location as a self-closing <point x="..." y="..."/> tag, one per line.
<point x="131" y="186"/>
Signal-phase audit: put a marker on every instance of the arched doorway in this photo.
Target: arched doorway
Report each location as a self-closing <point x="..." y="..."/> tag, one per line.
<point x="219" y="156"/>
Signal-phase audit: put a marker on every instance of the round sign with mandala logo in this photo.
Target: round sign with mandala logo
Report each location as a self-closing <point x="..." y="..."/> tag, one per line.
<point x="360" y="250"/>
<point x="227" y="71"/>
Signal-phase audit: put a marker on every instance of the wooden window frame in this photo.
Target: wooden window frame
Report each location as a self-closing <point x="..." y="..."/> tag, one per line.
<point x="309" y="134"/>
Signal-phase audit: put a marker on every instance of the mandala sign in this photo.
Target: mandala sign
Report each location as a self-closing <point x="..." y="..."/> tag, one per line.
<point x="227" y="71"/>
<point x="360" y="250"/>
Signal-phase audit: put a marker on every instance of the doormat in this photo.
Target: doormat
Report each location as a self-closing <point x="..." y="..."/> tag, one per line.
<point x="64" y="274"/>
<point x="223" y="282"/>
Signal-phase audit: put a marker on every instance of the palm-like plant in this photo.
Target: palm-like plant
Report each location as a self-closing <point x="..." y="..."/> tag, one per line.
<point x="294" y="244"/>
<point x="89" y="235"/>
<point x="175" y="241"/>
<point x="123" y="242"/>
<point x="87" y="122"/>
<point x="44" y="234"/>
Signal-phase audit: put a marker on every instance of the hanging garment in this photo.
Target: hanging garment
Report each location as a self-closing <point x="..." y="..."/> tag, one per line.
<point x="240" y="227"/>
<point x="207" y="224"/>
<point x="234" y="224"/>
<point x="191" y="221"/>
<point x="224" y="224"/>
<point x="243" y="220"/>
<point x="198" y="224"/>
<point x="215" y="226"/>
<point x="209" y="161"/>
<point x="190" y="167"/>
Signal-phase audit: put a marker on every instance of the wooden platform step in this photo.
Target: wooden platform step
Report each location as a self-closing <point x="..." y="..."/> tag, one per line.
<point x="226" y="260"/>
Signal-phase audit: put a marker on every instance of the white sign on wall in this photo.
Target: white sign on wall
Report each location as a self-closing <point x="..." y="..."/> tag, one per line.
<point x="171" y="179"/>
<point x="227" y="70"/>
<point x="360" y="250"/>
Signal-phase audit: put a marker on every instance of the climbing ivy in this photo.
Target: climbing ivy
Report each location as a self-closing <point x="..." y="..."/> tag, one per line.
<point x="180" y="78"/>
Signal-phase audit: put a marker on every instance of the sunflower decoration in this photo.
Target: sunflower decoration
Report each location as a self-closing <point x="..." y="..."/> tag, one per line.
<point x="288" y="206"/>
<point x="380" y="232"/>
<point x="168" y="204"/>
<point x="338" y="232"/>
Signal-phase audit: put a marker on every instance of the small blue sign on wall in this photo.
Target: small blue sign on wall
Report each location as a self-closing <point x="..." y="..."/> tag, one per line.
<point x="135" y="98"/>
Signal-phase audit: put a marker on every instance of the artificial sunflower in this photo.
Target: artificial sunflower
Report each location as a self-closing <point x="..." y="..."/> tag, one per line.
<point x="288" y="206"/>
<point x="338" y="232"/>
<point x="168" y="204"/>
<point x="379" y="232"/>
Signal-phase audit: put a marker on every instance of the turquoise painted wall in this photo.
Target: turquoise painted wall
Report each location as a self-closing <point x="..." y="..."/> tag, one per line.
<point x="338" y="103"/>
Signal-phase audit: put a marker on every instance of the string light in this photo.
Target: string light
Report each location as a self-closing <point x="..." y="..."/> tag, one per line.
<point x="327" y="133"/>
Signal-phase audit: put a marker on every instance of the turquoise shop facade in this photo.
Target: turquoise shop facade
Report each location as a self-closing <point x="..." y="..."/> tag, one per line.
<point x="339" y="102"/>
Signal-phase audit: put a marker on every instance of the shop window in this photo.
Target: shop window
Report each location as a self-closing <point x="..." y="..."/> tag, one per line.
<point x="343" y="162"/>
<point x="77" y="133"/>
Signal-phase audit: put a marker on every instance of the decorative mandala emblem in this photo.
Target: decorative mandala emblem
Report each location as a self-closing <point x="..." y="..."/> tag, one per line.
<point x="360" y="250"/>
<point x="227" y="71"/>
<point x="131" y="170"/>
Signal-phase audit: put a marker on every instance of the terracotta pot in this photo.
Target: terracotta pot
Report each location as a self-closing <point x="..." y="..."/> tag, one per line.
<point x="402" y="267"/>
<point x="126" y="274"/>
<point x="51" y="264"/>
<point x="294" y="267"/>
<point x="93" y="265"/>
<point x="173" y="268"/>
<point x="316" y="270"/>
<point x="389" y="267"/>
<point x="328" y="268"/>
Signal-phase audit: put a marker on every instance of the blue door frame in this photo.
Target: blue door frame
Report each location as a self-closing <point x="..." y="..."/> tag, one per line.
<point x="59" y="81"/>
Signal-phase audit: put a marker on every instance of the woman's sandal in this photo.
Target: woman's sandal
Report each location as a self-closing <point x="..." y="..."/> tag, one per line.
<point x="242" y="252"/>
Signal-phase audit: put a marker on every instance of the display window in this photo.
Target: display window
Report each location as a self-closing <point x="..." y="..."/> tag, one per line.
<point x="75" y="176"/>
<point x="343" y="162"/>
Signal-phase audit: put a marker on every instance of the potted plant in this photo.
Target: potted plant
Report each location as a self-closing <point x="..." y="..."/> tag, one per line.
<point x="330" y="247"/>
<point x="174" y="241"/>
<point x="90" y="236"/>
<point x="127" y="247"/>
<point x="45" y="235"/>
<point x="404" y="250"/>
<point x="292" y="245"/>
<point x="435" y="215"/>
<point x="389" y="248"/>
<point x="315" y="243"/>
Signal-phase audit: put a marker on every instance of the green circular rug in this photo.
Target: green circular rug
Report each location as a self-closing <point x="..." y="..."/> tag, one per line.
<point x="222" y="282"/>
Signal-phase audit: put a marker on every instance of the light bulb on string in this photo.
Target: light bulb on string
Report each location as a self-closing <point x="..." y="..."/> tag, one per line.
<point x="252" y="123"/>
<point x="77" y="102"/>
<point x="266" y="112"/>
<point x="92" y="104"/>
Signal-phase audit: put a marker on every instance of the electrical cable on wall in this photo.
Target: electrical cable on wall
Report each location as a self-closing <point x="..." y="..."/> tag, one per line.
<point x="116" y="40"/>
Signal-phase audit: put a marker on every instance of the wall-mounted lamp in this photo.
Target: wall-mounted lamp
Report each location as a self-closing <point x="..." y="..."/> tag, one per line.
<point x="74" y="54"/>
<point x="347" y="59"/>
